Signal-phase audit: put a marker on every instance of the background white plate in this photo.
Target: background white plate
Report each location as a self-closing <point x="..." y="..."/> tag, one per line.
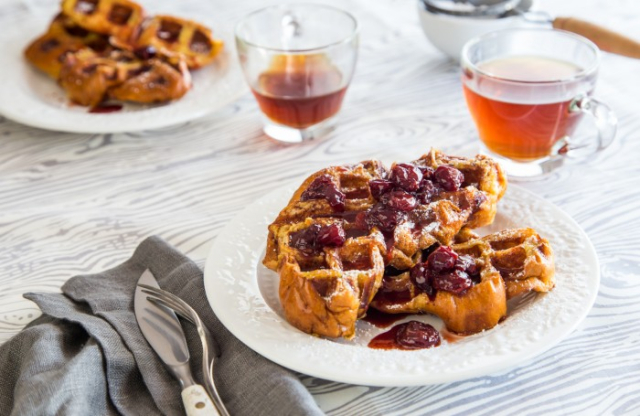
<point x="32" y="98"/>
<point x="244" y="295"/>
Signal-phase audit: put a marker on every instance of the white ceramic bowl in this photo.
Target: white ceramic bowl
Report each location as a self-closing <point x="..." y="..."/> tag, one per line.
<point x="450" y="33"/>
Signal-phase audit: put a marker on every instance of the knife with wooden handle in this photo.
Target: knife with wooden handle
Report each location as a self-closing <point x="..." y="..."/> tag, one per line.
<point x="163" y="332"/>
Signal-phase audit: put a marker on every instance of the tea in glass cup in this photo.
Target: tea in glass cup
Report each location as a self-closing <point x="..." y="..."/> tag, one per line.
<point x="298" y="60"/>
<point x="527" y="91"/>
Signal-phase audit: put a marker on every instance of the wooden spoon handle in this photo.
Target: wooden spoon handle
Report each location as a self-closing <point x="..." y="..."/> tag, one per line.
<point x="607" y="40"/>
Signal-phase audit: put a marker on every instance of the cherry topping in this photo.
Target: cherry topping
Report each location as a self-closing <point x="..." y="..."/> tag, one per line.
<point x="417" y="335"/>
<point x="445" y="270"/>
<point x="467" y="264"/>
<point x="145" y="52"/>
<point x="384" y="217"/>
<point x="427" y="191"/>
<point x="331" y="236"/>
<point x="313" y="238"/>
<point x="443" y="258"/>
<point x="427" y="252"/>
<point x="406" y="176"/>
<point x="305" y="240"/>
<point x="361" y="221"/>
<point x="106" y="108"/>
<point x="420" y="277"/>
<point x="380" y="187"/>
<point x="455" y="281"/>
<point x="448" y="177"/>
<point x="323" y="187"/>
<point x="427" y="172"/>
<point x="400" y="200"/>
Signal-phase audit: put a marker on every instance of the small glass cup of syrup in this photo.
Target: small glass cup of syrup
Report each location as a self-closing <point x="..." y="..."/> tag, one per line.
<point x="298" y="60"/>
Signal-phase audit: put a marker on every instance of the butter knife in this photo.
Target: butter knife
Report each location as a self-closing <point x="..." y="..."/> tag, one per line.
<point x="163" y="332"/>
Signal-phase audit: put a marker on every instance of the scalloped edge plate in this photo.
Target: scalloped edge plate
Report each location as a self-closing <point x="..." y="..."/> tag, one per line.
<point x="244" y="296"/>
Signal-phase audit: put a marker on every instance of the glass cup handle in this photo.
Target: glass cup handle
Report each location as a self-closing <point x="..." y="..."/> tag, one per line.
<point x="606" y="123"/>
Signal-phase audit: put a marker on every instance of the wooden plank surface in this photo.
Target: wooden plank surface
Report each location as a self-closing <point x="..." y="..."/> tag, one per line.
<point x="79" y="203"/>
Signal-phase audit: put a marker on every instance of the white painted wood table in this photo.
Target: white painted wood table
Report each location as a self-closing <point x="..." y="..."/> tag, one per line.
<point x="80" y="203"/>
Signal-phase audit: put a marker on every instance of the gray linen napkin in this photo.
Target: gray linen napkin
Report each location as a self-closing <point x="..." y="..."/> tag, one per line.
<point x="86" y="356"/>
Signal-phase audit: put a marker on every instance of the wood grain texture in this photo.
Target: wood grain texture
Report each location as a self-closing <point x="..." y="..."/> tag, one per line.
<point x="75" y="204"/>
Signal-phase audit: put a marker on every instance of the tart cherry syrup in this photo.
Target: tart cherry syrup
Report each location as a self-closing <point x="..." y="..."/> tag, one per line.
<point x="300" y="90"/>
<point x="411" y="335"/>
<point x="381" y="319"/>
<point x="106" y="108"/>
<point x="392" y="339"/>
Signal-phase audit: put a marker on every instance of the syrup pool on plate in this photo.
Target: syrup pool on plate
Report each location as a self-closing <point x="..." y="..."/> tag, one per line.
<point x="412" y="335"/>
<point x="382" y="319"/>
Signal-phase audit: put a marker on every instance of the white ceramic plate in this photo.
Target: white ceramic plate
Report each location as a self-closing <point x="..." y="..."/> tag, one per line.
<point x="30" y="97"/>
<point x="244" y="295"/>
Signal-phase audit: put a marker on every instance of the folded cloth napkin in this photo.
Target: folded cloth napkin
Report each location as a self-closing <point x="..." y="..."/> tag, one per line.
<point x="86" y="355"/>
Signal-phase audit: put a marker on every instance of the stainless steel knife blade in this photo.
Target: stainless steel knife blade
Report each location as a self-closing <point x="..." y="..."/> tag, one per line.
<point x="160" y="326"/>
<point x="163" y="332"/>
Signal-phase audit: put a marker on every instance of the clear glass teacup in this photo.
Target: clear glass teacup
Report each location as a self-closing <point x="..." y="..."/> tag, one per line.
<point x="527" y="91"/>
<point x="298" y="60"/>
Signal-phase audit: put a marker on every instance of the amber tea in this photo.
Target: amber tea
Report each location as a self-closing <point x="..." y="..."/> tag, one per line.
<point x="522" y="123"/>
<point x="527" y="90"/>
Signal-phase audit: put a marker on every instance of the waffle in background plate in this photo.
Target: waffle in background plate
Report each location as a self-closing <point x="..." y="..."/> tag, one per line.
<point x="62" y="37"/>
<point x="89" y="78"/>
<point x="101" y="50"/>
<point x="187" y="38"/>
<point x="119" y="19"/>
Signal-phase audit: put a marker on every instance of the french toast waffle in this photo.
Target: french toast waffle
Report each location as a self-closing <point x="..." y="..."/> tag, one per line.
<point x="89" y="78"/>
<point x="153" y="81"/>
<point x="436" y="215"/>
<point x="330" y="277"/>
<point x="101" y="50"/>
<point x="174" y="35"/>
<point x="86" y="77"/>
<point x="467" y="285"/>
<point x="117" y="18"/>
<point x="524" y="260"/>
<point x="63" y="37"/>
<point x="149" y="78"/>
<point x="404" y="210"/>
